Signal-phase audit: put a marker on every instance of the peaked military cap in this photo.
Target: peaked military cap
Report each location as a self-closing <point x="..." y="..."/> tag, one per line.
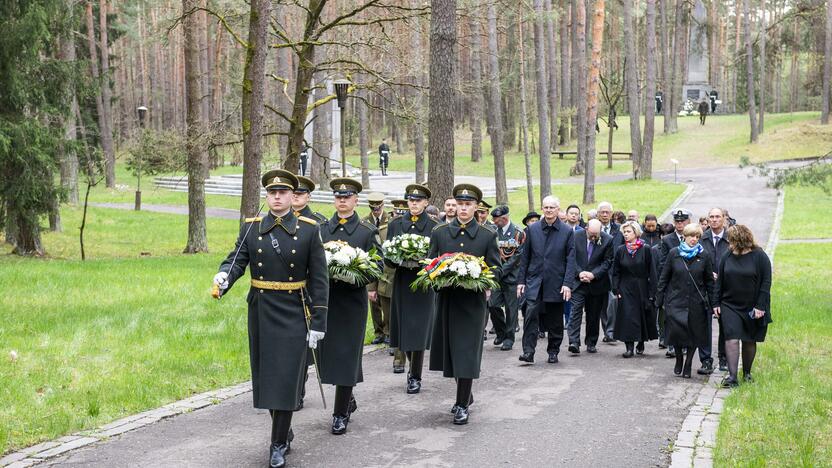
<point x="345" y="186"/>
<point x="279" y="179"/>
<point x="305" y="184"/>
<point x="681" y="215"/>
<point x="483" y="206"/>
<point x="467" y="192"/>
<point x="375" y="199"/>
<point x="418" y="191"/>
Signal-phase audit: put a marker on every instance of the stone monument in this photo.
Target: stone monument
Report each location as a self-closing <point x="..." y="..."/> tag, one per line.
<point x="696" y="86"/>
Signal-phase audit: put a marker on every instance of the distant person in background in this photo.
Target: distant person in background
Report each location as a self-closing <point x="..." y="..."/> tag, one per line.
<point x="573" y="217"/>
<point x="591" y="214"/>
<point x="619" y="217"/>
<point x="743" y="300"/>
<point x="383" y="156"/>
<point x="433" y="212"/>
<point x="450" y="210"/>
<point x="651" y="235"/>
<point x="703" y="109"/>
<point x="304" y="157"/>
<point x="703" y="223"/>
<point x="632" y="215"/>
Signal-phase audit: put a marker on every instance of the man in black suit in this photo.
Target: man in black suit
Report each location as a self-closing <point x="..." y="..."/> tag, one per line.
<point x="715" y="243"/>
<point x="593" y="259"/>
<point x="681" y="218"/>
<point x="612" y="229"/>
<point x="547" y="277"/>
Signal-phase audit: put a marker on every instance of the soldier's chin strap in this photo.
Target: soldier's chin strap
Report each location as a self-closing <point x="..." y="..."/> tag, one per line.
<point x="307" y="317"/>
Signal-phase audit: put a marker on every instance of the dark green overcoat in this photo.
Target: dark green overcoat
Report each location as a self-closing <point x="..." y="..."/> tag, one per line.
<point x="411" y="313"/>
<point x="276" y="325"/>
<point x="342" y="347"/>
<point x="456" y="348"/>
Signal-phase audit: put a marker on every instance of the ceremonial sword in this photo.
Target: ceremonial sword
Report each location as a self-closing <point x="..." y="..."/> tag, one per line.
<point x="216" y="292"/>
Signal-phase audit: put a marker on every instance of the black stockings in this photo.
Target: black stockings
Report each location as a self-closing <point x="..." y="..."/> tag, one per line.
<point x="732" y="353"/>
<point x="749" y="350"/>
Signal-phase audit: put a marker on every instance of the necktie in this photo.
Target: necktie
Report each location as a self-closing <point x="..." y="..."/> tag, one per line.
<point x="589" y="246"/>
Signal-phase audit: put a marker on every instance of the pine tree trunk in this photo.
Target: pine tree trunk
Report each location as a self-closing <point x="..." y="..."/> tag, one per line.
<point x="197" y="155"/>
<point x="749" y="60"/>
<point x="554" y="73"/>
<point x="761" y="119"/>
<point x="107" y="144"/>
<point x="592" y="99"/>
<point x="254" y="83"/>
<point x="646" y="162"/>
<point x="542" y="95"/>
<point x="363" y="139"/>
<point x="565" y="73"/>
<point x="633" y="95"/>
<point x="667" y="66"/>
<point x="69" y="158"/>
<point x="476" y="90"/>
<point x="674" y="99"/>
<point x="96" y="76"/>
<point x="737" y="42"/>
<point x="418" y="100"/>
<point x="321" y="136"/>
<point x="496" y="132"/>
<point x="524" y="118"/>
<point x="579" y="67"/>
<point x="827" y="66"/>
<point x="442" y="80"/>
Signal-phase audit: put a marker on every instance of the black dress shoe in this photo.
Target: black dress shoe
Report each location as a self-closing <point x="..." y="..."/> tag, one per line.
<point x="553" y="358"/>
<point x="574" y="349"/>
<point x="398" y="369"/>
<point x="670" y="354"/>
<point x="461" y="416"/>
<point x="640" y="348"/>
<point x="377" y="340"/>
<point x="627" y="354"/>
<point x="277" y="455"/>
<point x="507" y="345"/>
<point x="527" y="357"/>
<point x="607" y="339"/>
<point x="339" y="424"/>
<point x="498" y="341"/>
<point x="723" y="364"/>
<point x="541" y="335"/>
<point x="591" y="349"/>
<point x="456" y="406"/>
<point x="413" y="385"/>
<point x="728" y="382"/>
<point x="707" y="368"/>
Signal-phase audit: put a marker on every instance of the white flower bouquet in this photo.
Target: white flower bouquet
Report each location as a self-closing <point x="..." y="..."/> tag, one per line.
<point x="406" y="250"/>
<point x="351" y="264"/>
<point x="455" y="270"/>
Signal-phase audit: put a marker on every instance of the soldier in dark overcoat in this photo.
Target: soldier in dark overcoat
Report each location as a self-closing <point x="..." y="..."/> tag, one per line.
<point x="287" y="302"/>
<point x="412" y="312"/>
<point x="342" y="349"/>
<point x="461" y="314"/>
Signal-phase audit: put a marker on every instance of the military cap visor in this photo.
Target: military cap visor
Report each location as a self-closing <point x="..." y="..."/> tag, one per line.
<point x="417" y="191"/>
<point x="278" y="179"/>
<point x="467" y="192"/>
<point x="345" y="186"/>
<point x="401" y="204"/>
<point x="680" y="215"/>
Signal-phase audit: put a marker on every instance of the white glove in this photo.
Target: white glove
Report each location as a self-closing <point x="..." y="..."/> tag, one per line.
<point x="221" y="280"/>
<point x="314" y="337"/>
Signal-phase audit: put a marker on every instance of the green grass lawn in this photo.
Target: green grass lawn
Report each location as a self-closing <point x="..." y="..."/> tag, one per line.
<point x="722" y="141"/>
<point x="805" y="213"/>
<point x="785" y="417"/>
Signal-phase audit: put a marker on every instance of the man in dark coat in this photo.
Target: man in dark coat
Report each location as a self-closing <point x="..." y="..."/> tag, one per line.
<point x="287" y="302"/>
<point x="715" y="242"/>
<point x="381" y="319"/>
<point x="412" y="312"/>
<point x="681" y="218"/>
<point x="300" y="200"/>
<point x="547" y="277"/>
<point x="703" y="109"/>
<point x="612" y="229"/>
<point x="593" y="259"/>
<point x="502" y="306"/>
<point x="304" y="157"/>
<point x="383" y="156"/>
<point x="461" y="314"/>
<point x="342" y="349"/>
<point x="651" y="235"/>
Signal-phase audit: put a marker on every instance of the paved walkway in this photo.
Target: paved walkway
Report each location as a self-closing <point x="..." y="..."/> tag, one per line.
<point x="589" y="410"/>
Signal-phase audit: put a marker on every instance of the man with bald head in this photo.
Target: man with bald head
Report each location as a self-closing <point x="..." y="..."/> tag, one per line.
<point x="593" y="259"/>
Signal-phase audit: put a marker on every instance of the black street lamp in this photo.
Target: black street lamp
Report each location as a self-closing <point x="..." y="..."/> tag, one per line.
<point x="341" y="92"/>
<point x="142" y="111"/>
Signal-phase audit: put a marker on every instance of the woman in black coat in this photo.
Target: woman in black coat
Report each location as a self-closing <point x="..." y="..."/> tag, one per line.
<point x="634" y="284"/>
<point x="743" y="298"/>
<point x="686" y="289"/>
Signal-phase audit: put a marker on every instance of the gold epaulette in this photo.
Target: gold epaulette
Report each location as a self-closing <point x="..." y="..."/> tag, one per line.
<point x="253" y="220"/>
<point x="308" y="220"/>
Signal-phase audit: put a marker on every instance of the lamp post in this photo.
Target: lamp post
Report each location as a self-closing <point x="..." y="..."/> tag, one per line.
<point x="142" y="111"/>
<point x="341" y="90"/>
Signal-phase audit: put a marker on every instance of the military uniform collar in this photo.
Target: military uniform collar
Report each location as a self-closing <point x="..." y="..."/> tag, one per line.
<point x="289" y="223"/>
<point x="421" y="220"/>
<point x="349" y="224"/>
<point x="470" y="228"/>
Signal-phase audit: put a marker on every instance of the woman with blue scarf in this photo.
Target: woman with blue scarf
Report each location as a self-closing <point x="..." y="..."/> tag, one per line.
<point x="686" y="289"/>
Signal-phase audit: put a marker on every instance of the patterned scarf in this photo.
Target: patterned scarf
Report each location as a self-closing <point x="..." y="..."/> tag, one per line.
<point x="632" y="247"/>
<point x="687" y="252"/>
